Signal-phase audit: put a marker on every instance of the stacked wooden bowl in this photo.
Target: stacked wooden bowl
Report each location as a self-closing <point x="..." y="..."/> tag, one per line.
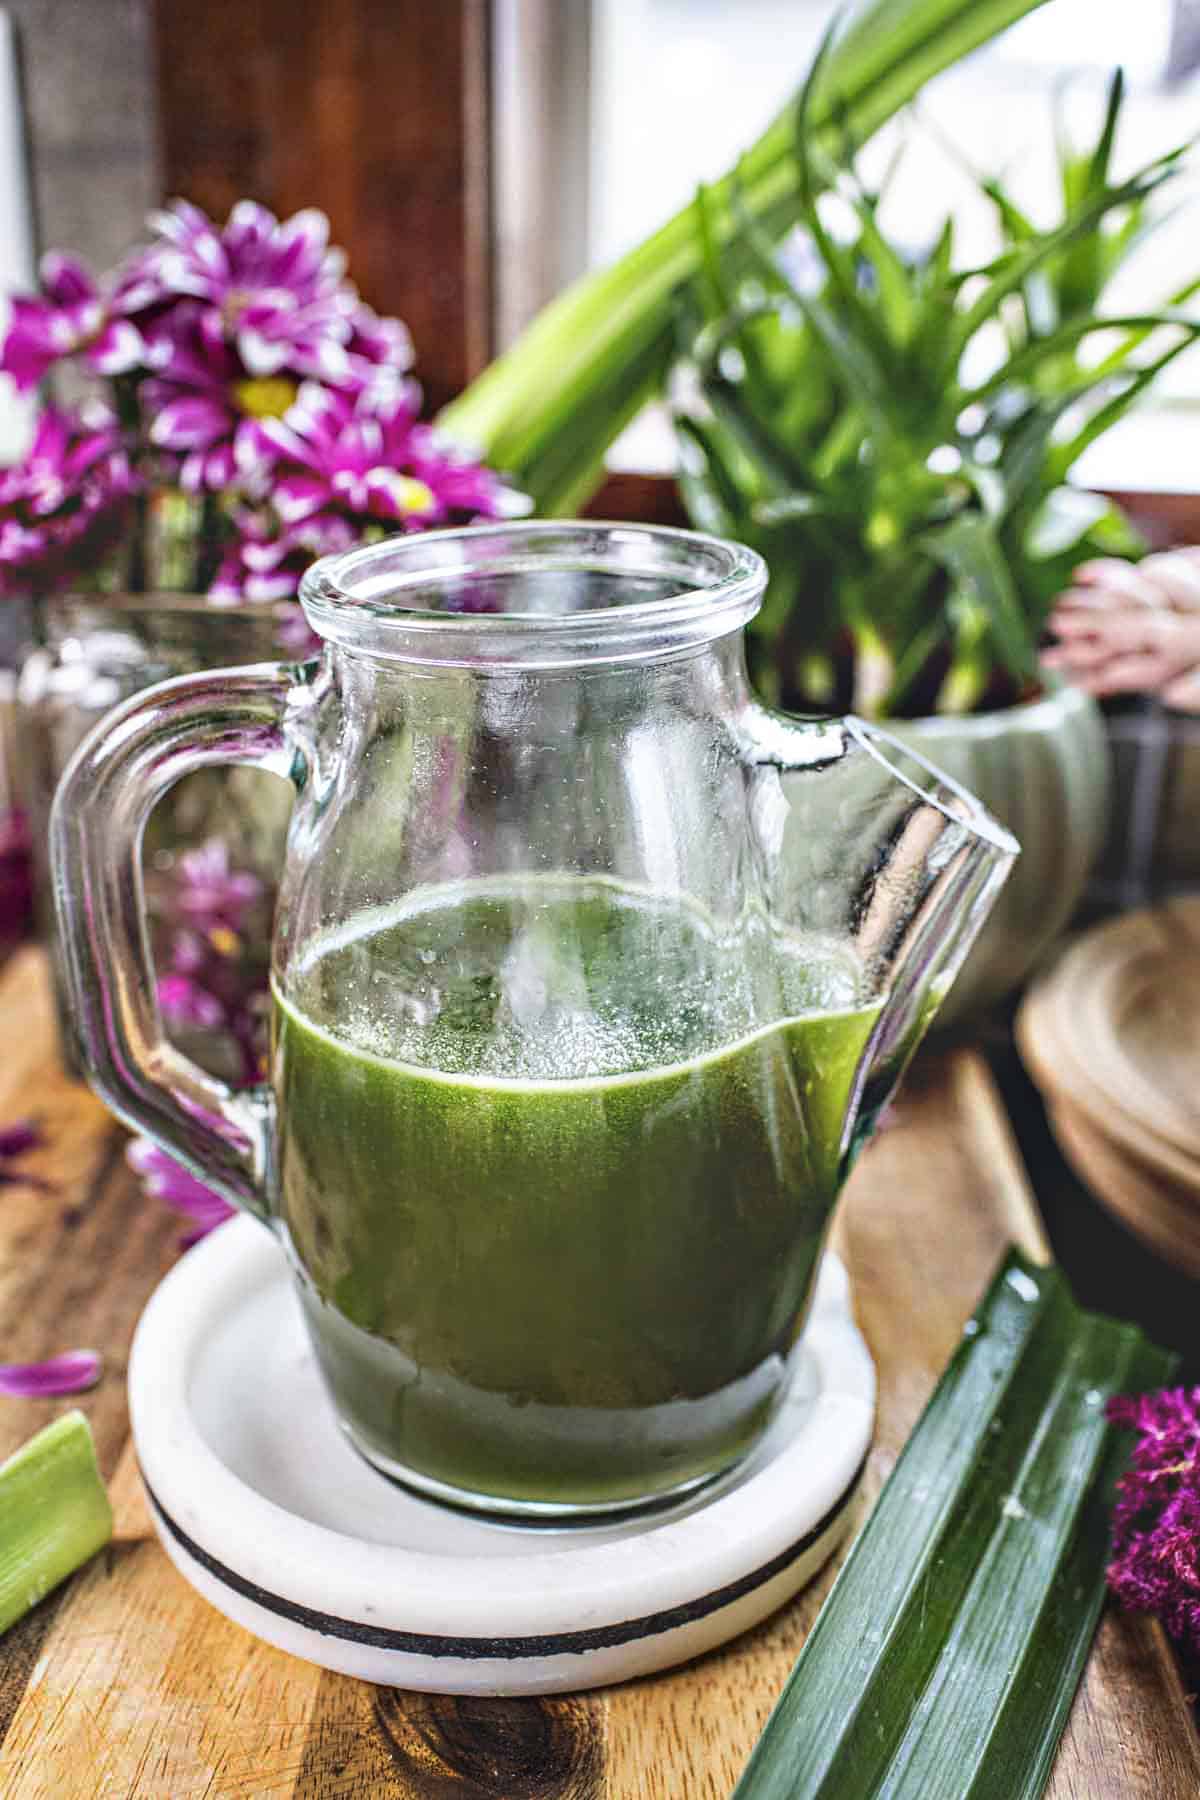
<point x="1112" y="1037"/>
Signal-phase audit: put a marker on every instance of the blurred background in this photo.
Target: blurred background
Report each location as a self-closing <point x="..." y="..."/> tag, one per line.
<point x="475" y="155"/>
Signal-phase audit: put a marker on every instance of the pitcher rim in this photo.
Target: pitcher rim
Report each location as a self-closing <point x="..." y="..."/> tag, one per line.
<point x="376" y="621"/>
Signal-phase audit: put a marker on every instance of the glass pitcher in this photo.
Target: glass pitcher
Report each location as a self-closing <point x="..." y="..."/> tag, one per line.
<point x="590" y="975"/>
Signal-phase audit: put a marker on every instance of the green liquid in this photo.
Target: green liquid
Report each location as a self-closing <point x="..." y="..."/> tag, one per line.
<point x="556" y="1202"/>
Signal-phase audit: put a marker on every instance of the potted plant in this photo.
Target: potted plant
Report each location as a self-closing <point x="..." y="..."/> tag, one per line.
<point x="895" y="434"/>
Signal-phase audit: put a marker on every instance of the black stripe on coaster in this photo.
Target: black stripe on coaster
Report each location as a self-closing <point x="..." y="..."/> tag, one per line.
<point x="419" y="1643"/>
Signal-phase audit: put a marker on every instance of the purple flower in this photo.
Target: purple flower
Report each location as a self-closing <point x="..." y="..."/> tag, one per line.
<point x="379" y="355"/>
<point x="266" y="559"/>
<point x="70" y="1373"/>
<point x="18" y="1139"/>
<point x="212" y="894"/>
<point x="65" y="506"/>
<point x="167" y="1180"/>
<point x="334" y="454"/>
<point x="1155" y="1563"/>
<point x="274" y="289"/>
<point x="187" y="1005"/>
<point x="465" y="489"/>
<point x="212" y="926"/>
<point x="71" y="317"/>
<point x="381" y="342"/>
<point x="201" y="404"/>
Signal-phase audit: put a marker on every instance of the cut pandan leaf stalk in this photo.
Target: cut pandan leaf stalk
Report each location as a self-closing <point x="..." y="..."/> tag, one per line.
<point x="943" y="1663"/>
<point x="54" y="1514"/>
<point x="547" y="409"/>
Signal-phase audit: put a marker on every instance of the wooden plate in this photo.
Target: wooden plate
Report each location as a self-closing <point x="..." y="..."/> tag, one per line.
<point x="1115" y="1026"/>
<point x="1165" y="1216"/>
<point x="1112" y="1037"/>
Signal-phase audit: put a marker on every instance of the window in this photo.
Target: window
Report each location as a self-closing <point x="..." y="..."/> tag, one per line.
<point x="678" y="87"/>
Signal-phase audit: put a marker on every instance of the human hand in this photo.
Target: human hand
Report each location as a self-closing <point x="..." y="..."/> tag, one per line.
<point x="1124" y="628"/>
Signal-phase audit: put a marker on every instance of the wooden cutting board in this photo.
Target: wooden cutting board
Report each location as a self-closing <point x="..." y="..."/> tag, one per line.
<point x="124" y="1684"/>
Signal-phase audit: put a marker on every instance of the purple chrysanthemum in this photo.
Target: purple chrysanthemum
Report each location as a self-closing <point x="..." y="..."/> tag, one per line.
<point x="273" y="289"/>
<point x="1155" y="1563"/>
<point x="336" y="455"/>
<point x="379" y="353"/>
<point x="211" y="892"/>
<point x="70" y="317"/>
<point x="201" y="404"/>
<point x="266" y="558"/>
<point x="71" y="1372"/>
<point x="64" y="507"/>
<point x="213" y="974"/>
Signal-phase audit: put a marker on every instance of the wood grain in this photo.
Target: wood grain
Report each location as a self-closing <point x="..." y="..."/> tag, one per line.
<point x="126" y="1684"/>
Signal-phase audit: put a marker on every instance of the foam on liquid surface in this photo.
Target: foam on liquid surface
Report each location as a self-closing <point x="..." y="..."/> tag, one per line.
<point x="551" y="979"/>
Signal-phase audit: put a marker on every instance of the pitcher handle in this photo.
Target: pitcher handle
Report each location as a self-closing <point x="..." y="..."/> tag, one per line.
<point x="109" y="789"/>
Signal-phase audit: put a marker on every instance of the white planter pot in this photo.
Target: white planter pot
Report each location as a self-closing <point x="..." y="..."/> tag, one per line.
<point x="1043" y="770"/>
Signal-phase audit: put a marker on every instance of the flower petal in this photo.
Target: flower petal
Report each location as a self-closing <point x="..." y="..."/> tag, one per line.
<point x="191" y="423"/>
<point x="262" y="355"/>
<point x="297" y="496"/>
<point x="185" y="1002"/>
<point x="30" y="346"/>
<point x="249" y="224"/>
<point x="118" y="348"/>
<point x="16" y="1139"/>
<point x="70" y="1373"/>
<point x="65" y="280"/>
<point x="167" y="1180"/>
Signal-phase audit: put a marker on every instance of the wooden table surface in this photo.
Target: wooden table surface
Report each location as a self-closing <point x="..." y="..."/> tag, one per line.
<point x="125" y="1683"/>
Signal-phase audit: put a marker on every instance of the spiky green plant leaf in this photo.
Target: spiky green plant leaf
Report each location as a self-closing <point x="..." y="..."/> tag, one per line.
<point x="546" y="411"/>
<point x="868" y="461"/>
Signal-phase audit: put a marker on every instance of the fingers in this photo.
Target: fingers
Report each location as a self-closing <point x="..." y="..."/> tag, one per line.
<point x="1126" y="630"/>
<point x="1124" y="652"/>
<point x="1120" y="579"/>
<point x="1169" y="578"/>
<point x="1089" y="599"/>
<point x="1117" y="632"/>
<point x="1141" y="672"/>
<point x="1176" y="575"/>
<point x="1184" y="694"/>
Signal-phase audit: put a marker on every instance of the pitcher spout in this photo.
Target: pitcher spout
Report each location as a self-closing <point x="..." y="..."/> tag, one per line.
<point x="883" y="852"/>
<point x="941" y="865"/>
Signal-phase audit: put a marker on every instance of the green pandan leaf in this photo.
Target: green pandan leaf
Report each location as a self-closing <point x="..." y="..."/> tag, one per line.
<point x="943" y="1663"/>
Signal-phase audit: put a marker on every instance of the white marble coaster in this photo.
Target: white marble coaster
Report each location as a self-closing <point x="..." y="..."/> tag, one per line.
<point x="263" y="1506"/>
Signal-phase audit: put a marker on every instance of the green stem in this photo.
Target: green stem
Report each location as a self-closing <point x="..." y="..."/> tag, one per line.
<point x="54" y="1514"/>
